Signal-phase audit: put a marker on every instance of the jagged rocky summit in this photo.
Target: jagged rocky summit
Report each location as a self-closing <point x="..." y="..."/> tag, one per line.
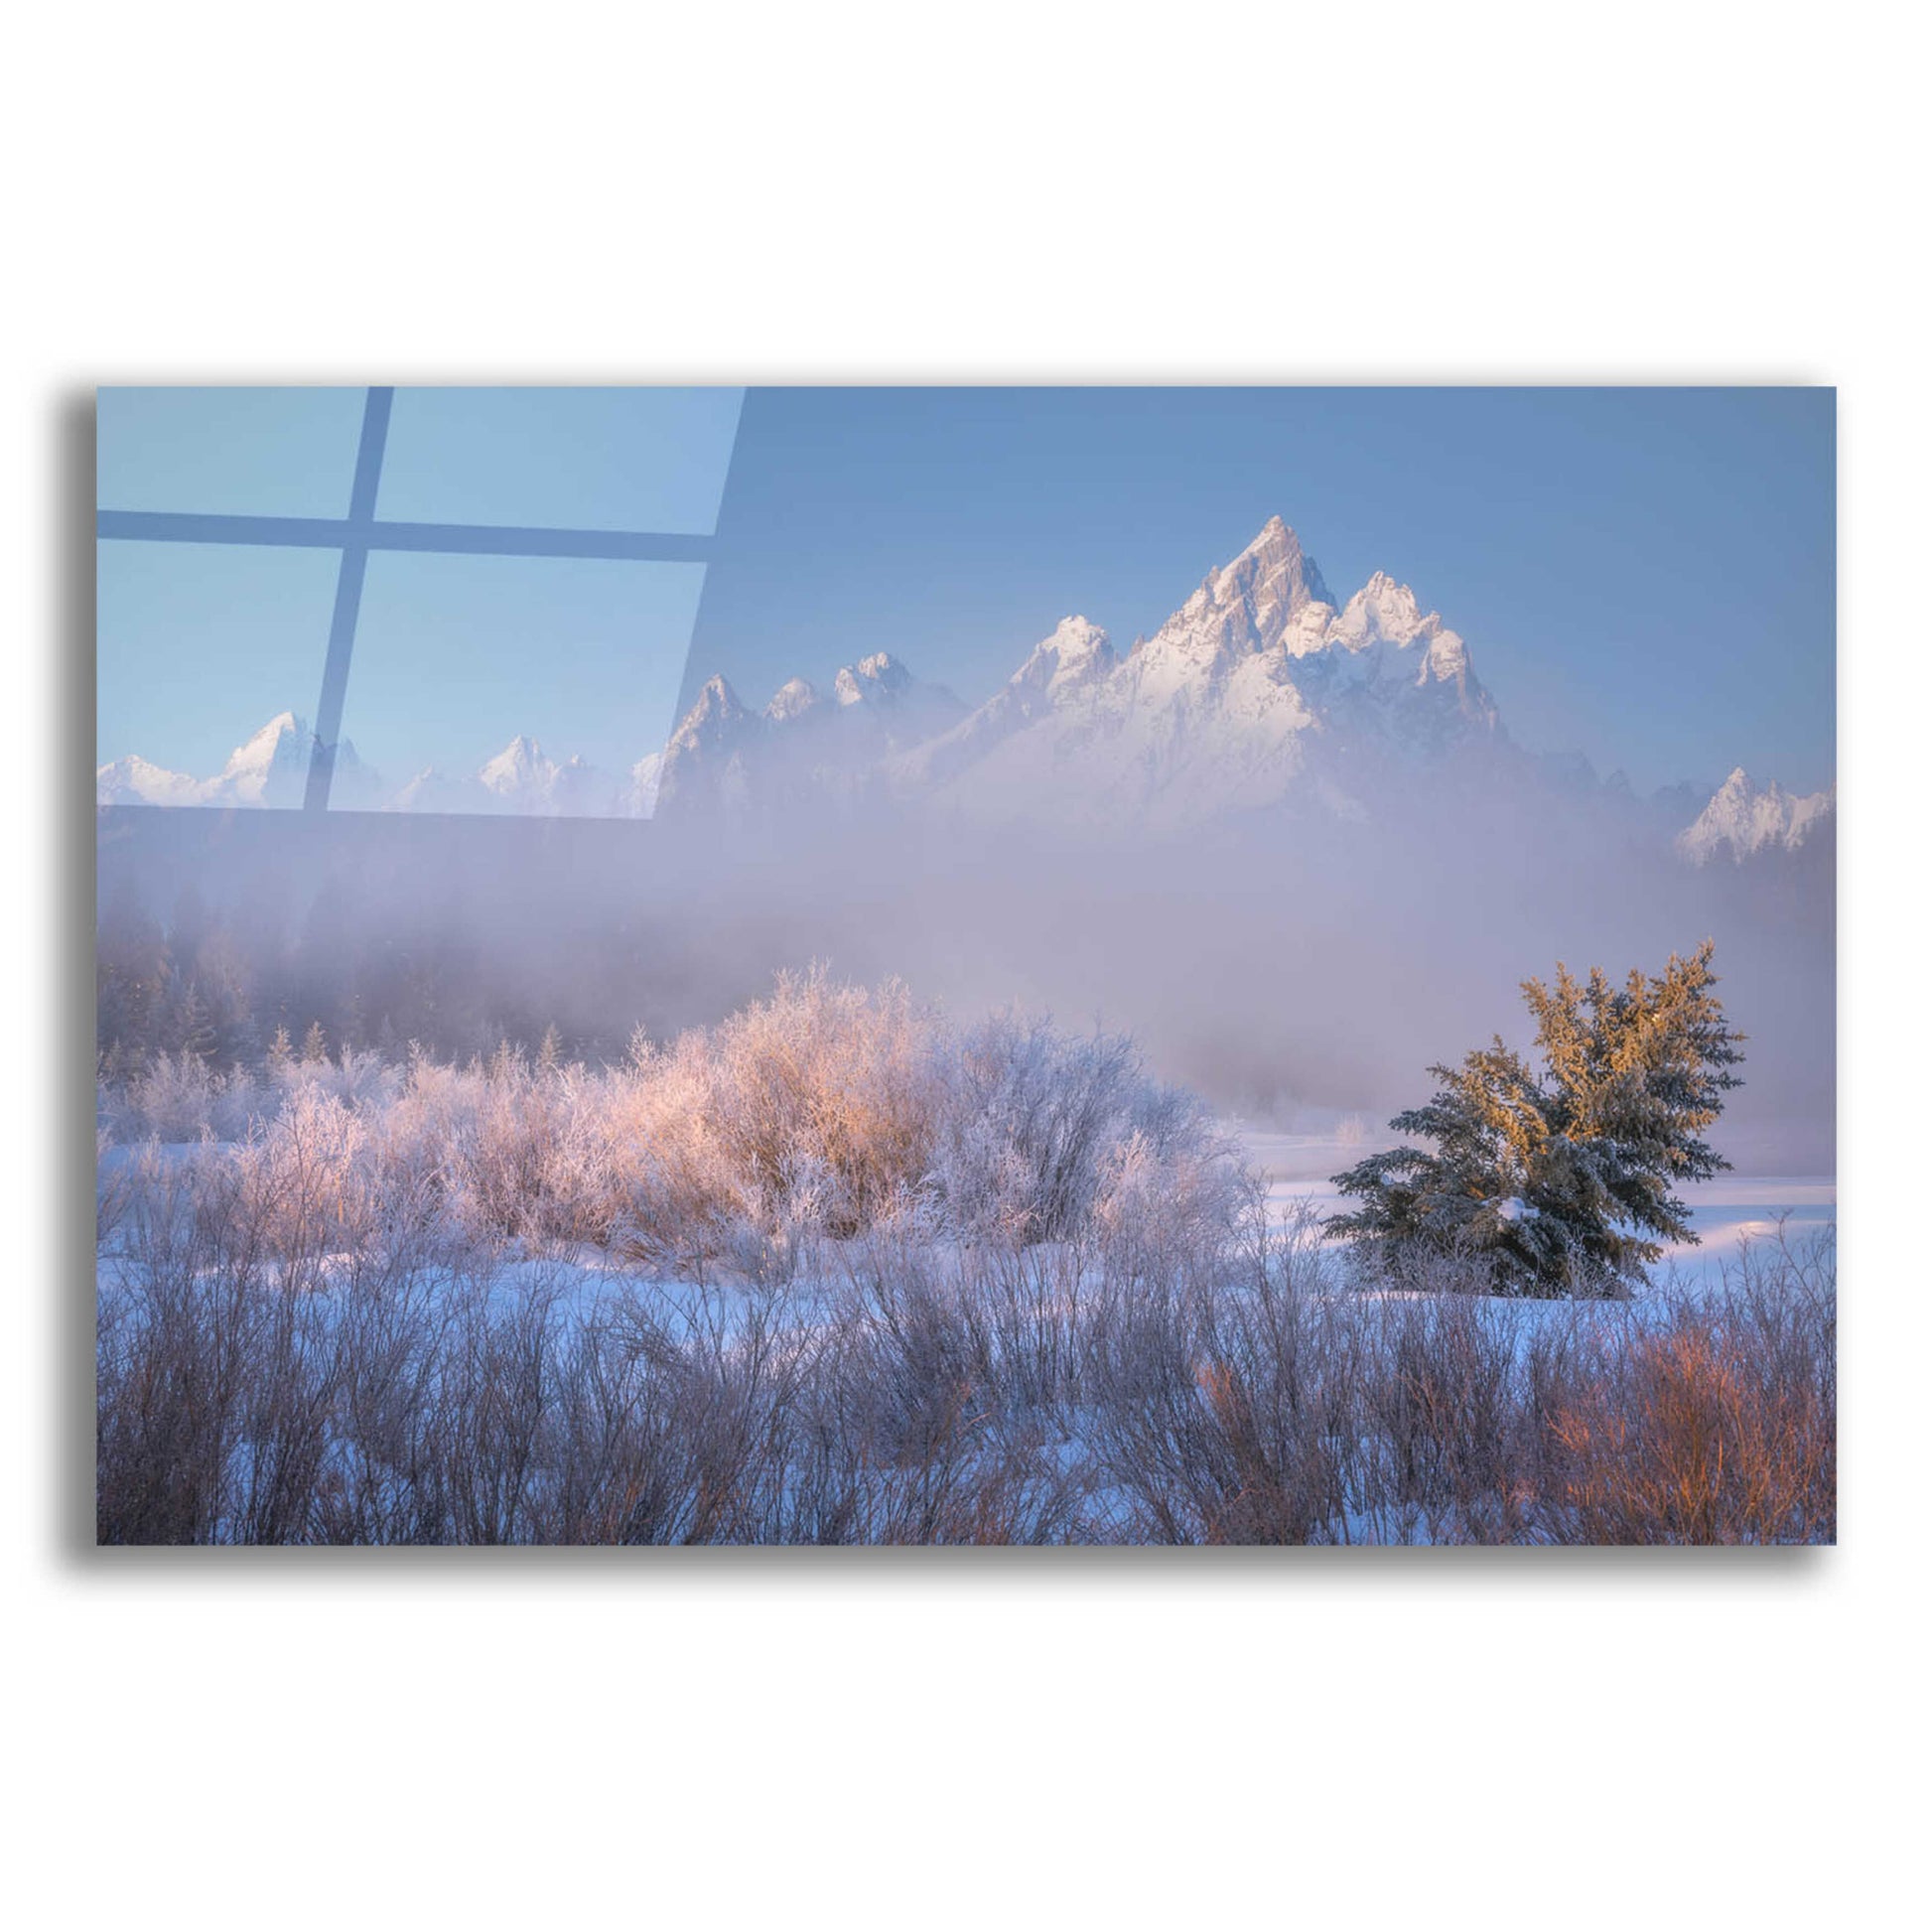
<point x="1262" y="690"/>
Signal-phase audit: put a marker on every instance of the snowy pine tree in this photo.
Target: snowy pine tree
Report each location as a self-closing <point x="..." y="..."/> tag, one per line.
<point x="187" y="1028"/>
<point x="1562" y="1177"/>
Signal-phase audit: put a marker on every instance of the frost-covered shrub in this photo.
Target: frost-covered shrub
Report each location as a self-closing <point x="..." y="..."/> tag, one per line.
<point x="831" y="1088"/>
<point x="1171" y="1212"/>
<point x="279" y="1360"/>
<point x="1042" y="1136"/>
<point x="811" y="1116"/>
<point x="505" y="1148"/>
<point x="1030" y="1120"/>
<point x="1705" y="1420"/>
<point x="180" y="1097"/>
<point x="305" y="1185"/>
<point x="357" y="1079"/>
<point x="678" y="1197"/>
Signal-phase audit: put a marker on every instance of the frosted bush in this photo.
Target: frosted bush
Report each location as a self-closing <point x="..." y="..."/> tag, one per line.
<point x="183" y="1098"/>
<point x="833" y="1081"/>
<point x="809" y="1117"/>
<point x="1037" y="1127"/>
<point x="358" y="1080"/>
<point x="1162" y="1214"/>
<point x="306" y="1182"/>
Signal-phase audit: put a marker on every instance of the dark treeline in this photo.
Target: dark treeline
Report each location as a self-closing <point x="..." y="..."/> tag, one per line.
<point x="232" y="989"/>
<point x="227" y="937"/>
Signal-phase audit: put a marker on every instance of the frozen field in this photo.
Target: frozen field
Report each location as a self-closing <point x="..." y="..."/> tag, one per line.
<point x="1730" y="1210"/>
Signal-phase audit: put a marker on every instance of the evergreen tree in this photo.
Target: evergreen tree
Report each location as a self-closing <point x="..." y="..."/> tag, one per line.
<point x="315" y="1043"/>
<point x="194" y="1031"/>
<point x="122" y="1063"/>
<point x="182" y="1023"/>
<point x="550" y="1054"/>
<point x="132" y="974"/>
<point x="222" y="977"/>
<point x="1562" y="1177"/>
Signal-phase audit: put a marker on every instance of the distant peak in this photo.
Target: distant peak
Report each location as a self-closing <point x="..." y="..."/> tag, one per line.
<point x="1076" y="632"/>
<point x="278" y="726"/>
<point x="280" y="745"/>
<point x="881" y="674"/>
<point x="792" y="699"/>
<point x="1274" y="539"/>
<point x="1742" y="819"/>
<point x="716" y="718"/>
<point x="1076" y="653"/>
<point x="520" y="760"/>
<point x="1386" y="609"/>
<point x="1384" y="589"/>
<point x="1274" y="574"/>
<point x="717" y="699"/>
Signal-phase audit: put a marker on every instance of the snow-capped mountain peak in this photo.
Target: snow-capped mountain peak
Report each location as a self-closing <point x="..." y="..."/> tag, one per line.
<point x="1384" y="635"/>
<point x="701" y="765"/>
<point x="135" y="780"/>
<point x="523" y="779"/>
<point x="1274" y="574"/>
<point x="269" y="767"/>
<point x="717" y="708"/>
<point x="1074" y="656"/>
<point x="1743" y="819"/>
<point x="258" y="753"/>
<point x="1064" y="670"/>
<point x="1259" y="691"/>
<point x="519" y="768"/>
<point x="1382" y="610"/>
<point x="1223" y="709"/>
<point x="793" y="699"/>
<point x="1255" y="687"/>
<point x="875" y="679"/>
<point x="1246" y="605"/>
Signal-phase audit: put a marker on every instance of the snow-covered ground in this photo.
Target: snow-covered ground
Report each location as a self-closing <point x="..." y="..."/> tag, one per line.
<point x="1728" y="1211"/>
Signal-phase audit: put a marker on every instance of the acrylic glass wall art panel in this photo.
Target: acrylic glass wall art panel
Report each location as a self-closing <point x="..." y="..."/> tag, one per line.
<point x="1103" y="965"/>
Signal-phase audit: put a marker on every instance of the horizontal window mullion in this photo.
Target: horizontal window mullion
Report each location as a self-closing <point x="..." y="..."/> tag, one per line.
<point x="450" y="539"/>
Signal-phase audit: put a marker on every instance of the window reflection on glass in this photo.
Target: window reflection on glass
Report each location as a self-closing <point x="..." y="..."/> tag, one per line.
<point x="472" y="671"/>
<point x="229" y="451"/>
<point x="518" y="684"/>
<point x="574" y="459"/>
<point x="210" y="658"/>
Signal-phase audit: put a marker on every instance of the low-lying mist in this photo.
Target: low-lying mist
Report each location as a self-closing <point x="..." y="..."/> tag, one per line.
<point x="1291" y="968"/>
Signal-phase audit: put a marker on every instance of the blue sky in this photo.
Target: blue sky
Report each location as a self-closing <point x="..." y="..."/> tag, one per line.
<point x="453" y="655"/>
<point x="1646" y="576"/>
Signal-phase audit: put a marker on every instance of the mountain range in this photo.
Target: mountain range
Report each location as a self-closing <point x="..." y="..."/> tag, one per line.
<point x="271" y="768"/>
<point x="1743" y="820"/>
<point x="1262" y="691"/>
